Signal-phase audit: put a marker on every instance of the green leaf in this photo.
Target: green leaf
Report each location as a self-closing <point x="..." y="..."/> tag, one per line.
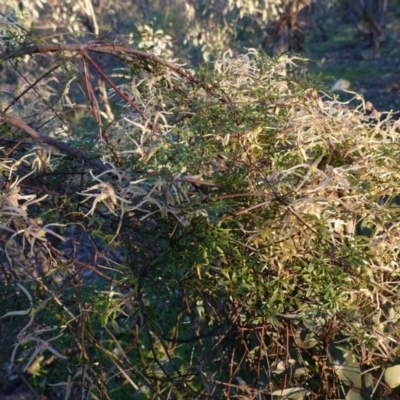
<point x="392" y="376"/>
<point x="345" y="365"/>
<point x="355" y="394"/>
<point x="305" y="339"/>
<point x="295" y="393"/>
<point x="167" y="366"/>
<point x="368" y="382"/>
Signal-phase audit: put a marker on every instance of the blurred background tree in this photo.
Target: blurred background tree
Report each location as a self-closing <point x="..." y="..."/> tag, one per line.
<point x="353" y="40"/>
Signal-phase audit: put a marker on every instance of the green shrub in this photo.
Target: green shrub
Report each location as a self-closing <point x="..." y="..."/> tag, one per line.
<point x="223" y="234"/>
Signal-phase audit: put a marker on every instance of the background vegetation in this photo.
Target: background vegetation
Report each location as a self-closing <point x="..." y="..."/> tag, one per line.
<point x="179" y="220"/>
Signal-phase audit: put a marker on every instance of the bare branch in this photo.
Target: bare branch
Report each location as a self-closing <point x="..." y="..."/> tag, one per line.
<point x="125" y="98"/>
<point x="112" y="49"/>
<point x="21" y="124"/>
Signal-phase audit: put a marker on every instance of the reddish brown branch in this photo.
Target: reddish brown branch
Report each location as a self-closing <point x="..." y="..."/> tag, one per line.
<point x="104" y="48"/>
<point x="21" y="124"/>
<point x="122" y="95"/>
<point x="112" y="49"/>
<point x="115" y="50"/>
<point x="89" y="95"/>
<point x="95" y="109"/>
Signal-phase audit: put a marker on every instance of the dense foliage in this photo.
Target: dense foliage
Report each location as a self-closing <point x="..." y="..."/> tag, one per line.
<point x="226" y="233"/>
